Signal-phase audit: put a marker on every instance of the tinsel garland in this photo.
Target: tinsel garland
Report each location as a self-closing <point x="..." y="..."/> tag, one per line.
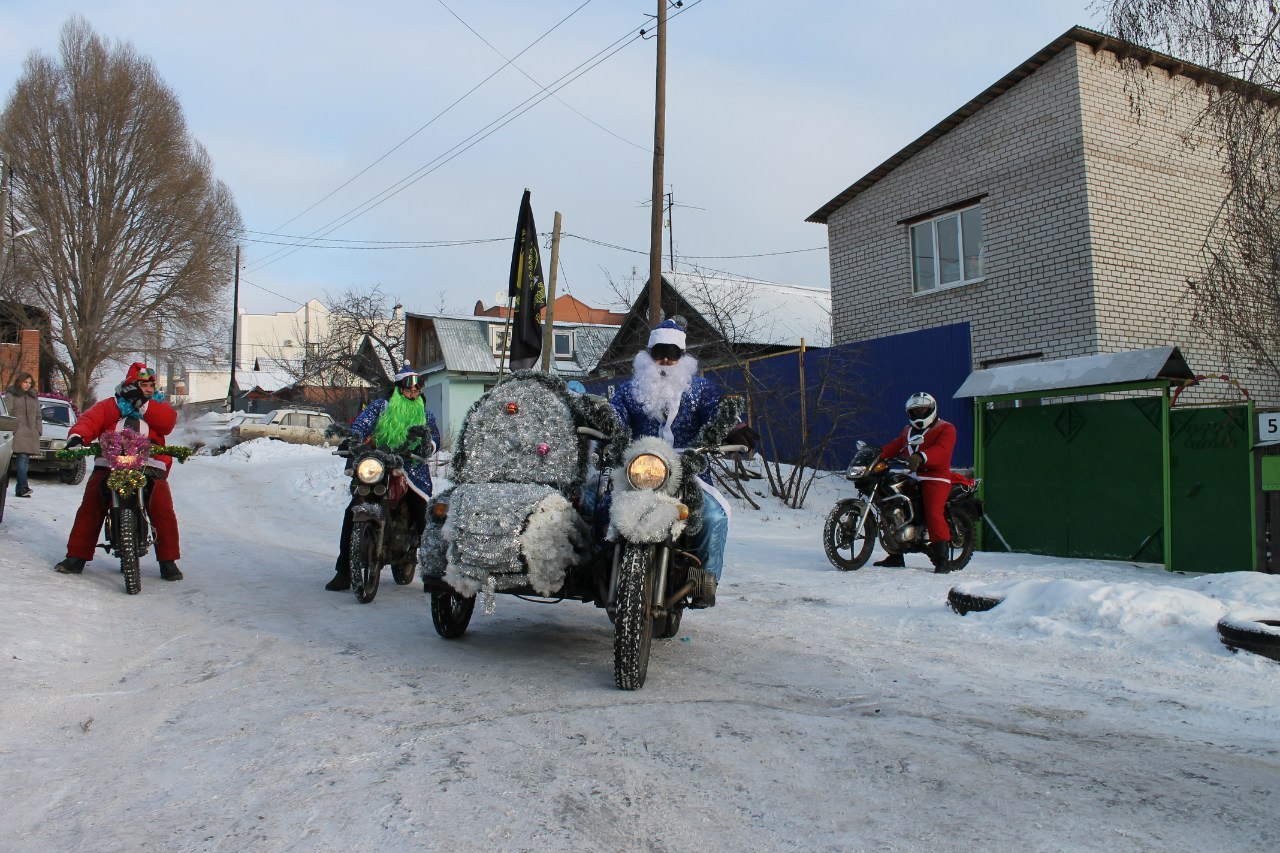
<point x="126" y="481"/>
<point x="728" y="415"/>
<point x="177" y="451"/>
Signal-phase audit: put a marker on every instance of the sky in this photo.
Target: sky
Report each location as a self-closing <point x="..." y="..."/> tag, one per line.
<point x="246" y="708"/>
<point x="313" y="111"/>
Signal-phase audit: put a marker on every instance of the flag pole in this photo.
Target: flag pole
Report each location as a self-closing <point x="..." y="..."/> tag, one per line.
<point x="504" y="348"/>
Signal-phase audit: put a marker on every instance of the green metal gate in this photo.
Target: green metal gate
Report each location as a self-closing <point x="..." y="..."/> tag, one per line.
<point x="1086" y="479"/>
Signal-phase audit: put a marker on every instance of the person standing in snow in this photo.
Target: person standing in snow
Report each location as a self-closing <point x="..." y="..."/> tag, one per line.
<point x="136" y="406"/>
<point x="665" y="398"/>
<point x="24" y="404"/>
<point x="386" y="423"/>
<point x="927" y="442"/>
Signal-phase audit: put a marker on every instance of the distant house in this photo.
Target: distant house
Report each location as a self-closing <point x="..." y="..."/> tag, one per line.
<point x="1045" y="214"/>
<point x="729" y="318"/>
<point x="460" y="356"/>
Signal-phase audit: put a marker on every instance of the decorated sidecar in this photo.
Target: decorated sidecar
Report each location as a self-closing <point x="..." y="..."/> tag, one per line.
<point x="532" y="465"/>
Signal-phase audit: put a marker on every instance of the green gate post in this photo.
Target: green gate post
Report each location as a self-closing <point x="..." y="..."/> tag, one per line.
<point x="979" y="464"/>
<point x="1166" y="461"/>
<point x="1252" y="431"/>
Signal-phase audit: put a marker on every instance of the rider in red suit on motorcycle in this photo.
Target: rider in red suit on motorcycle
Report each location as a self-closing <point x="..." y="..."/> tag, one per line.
<point x="927" y="442"/>
<point x="138" y="407"/>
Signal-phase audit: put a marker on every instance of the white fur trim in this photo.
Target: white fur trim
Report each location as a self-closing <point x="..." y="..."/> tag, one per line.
<point x="659" y="389"/>
<point x="666" y="336"/>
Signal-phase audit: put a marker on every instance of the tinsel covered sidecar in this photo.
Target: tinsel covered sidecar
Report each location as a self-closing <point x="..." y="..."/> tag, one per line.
<point x="511" y="523"/>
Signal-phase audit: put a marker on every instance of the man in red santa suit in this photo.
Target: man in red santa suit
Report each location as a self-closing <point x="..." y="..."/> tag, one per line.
<point x="927" y="442"/>
<point x="138" y="407"/>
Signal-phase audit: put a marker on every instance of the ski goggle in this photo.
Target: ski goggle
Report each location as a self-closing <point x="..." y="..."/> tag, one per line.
<point x="146" y="374"/>
<point x="408" y="382"/>
<point x="663" y="352"/>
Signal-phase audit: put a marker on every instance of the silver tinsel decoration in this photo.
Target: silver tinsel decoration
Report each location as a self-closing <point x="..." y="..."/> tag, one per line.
<point x="509" y="523"/>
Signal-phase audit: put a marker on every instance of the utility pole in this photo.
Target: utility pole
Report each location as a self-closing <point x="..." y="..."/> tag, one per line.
<point x="548" y="327"/>
<point x="659" y="136"/>
<point x="235" y="325"/>
<point x="671" y="228"/>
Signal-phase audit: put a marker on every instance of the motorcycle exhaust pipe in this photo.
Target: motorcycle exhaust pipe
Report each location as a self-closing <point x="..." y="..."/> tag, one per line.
<point x="681" y="593"/>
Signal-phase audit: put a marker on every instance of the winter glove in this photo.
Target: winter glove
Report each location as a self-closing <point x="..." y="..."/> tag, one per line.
<point x="132" y="393"/>
<point x="344" y="446"/>
<point x="74" y="441"/>
<point x="914" y="461"/>
<point x="745" y="435"/>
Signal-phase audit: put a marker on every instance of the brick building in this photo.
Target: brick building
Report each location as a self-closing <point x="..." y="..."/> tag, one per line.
<point x="1046" y="214"/>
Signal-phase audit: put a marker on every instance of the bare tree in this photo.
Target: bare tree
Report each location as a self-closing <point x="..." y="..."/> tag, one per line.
<point x="1238" y="292"/>
<point x="132" y="228"/>
<point x="786" y="415"/>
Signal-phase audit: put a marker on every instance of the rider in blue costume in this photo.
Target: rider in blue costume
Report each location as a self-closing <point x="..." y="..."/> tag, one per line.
<point x="386" y="422"/>
<point x="665" y="398"/>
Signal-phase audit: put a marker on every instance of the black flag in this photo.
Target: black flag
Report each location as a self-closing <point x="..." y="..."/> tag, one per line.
<point x="527" y="291"/>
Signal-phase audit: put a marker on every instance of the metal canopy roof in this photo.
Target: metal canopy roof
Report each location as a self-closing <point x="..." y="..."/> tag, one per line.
<point x="1157" y="365"/>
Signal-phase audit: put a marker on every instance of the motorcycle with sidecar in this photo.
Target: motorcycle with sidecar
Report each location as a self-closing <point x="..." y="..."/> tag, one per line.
<point x="551" y="499"/>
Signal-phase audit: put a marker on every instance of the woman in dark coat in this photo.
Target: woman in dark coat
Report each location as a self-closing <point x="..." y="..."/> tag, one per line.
<point x="24" y="404"/>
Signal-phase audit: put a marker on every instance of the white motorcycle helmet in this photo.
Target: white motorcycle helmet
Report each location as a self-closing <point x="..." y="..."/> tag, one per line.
<point x="922" y="410"/>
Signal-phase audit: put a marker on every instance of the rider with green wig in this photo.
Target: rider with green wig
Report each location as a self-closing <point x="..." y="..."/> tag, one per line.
<point x="386" y="423"/>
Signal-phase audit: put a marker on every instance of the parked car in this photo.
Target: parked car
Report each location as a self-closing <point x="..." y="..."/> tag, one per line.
<point x="58" y="416"/>
<point x="214" y="429"/>
<point x="295" y="425"/>
<point x="8" y="423"/>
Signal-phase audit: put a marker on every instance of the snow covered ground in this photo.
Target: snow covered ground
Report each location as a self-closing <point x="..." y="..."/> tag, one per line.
<point x="245" y="708"/>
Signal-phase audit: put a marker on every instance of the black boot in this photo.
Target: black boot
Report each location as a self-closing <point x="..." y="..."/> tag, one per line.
<point x="340" y="583"/>
<point x="169" y="570"/>
<point x="940" y="555"/>
<point x="891" y="561"/>
<point x="70" y="566"/>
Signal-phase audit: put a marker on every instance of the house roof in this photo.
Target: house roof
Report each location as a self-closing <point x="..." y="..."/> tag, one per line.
<point x="464" y="342"/>
<point x="750" y="311"/>
<point x="1088" y="371"/>
<point x="263" y="380"/>
<point x="1098" y="41"/>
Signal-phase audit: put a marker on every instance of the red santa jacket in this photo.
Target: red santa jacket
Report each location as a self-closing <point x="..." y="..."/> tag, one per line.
<point x="158" y="420"/>
<point x="935" y="444"/>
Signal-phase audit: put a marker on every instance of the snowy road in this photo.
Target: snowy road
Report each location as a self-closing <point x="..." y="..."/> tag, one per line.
<point x="245" y="708"/>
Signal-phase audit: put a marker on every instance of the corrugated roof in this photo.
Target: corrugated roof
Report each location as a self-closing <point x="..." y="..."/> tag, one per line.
<point x="1083" y="35"/>
<point x="750" y="311"/>
<point x="1087" y="371"/>
<point x="465" y="344"/>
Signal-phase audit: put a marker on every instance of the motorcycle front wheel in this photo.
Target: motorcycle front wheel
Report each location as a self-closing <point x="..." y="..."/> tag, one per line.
<point x="127" y="549"/>
<point x="848" y="549"/>
<point x="366" y="561"/>
<point x="633" y="619"/>
<point x="963" y="539"/>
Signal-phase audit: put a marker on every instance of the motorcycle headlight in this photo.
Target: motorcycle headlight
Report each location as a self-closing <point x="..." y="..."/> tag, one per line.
<point x="369" y="470"/>
<point x="647" y="471"/>
<point x="856" y="471"/>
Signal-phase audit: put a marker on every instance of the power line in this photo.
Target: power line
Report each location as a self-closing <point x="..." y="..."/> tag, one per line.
<point x="468" y="143"/>
<point x="438" y="115"/>
<point x="511" y="62"/>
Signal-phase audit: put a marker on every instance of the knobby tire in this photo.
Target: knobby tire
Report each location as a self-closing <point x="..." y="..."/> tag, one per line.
<point x="633" y="625"/>
<point x="366" y="563"/>
<point x="127" y="549"/>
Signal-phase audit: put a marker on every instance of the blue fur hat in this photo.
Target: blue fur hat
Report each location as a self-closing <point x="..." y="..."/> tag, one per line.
<point x="406" y="372"/>
<point x="669" y="331"/>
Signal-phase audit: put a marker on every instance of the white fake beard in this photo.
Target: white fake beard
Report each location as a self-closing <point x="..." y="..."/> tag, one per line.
<point x="657" y="388"/>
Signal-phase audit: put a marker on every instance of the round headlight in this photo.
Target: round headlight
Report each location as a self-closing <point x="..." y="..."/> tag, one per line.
<point x="647" y="471"/>
<point x="369" y="470"/>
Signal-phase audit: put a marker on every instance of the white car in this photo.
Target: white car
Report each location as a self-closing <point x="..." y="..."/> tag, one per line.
<point x="8" y="423"/>
<point x="58" y="417"/>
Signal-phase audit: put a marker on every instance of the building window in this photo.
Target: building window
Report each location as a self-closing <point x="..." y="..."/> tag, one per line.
<point x="497" y="339"/>
<point x="948" y="250"/>
<point x="564" y="344"/>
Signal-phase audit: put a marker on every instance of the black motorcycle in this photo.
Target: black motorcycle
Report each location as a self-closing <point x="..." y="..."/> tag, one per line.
<point x="382" y="527"/>
<point x="888" y="506"/>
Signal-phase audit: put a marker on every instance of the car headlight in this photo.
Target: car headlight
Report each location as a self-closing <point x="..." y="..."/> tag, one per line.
<point x="57" y="444"/>
<point x="369" y="470"/>
<point x="647" y="471"/>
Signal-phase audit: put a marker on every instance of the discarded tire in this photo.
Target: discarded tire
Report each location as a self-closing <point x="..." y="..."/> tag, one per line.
<point x="968" y="602"/>
<point x="1251" y="630"/>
